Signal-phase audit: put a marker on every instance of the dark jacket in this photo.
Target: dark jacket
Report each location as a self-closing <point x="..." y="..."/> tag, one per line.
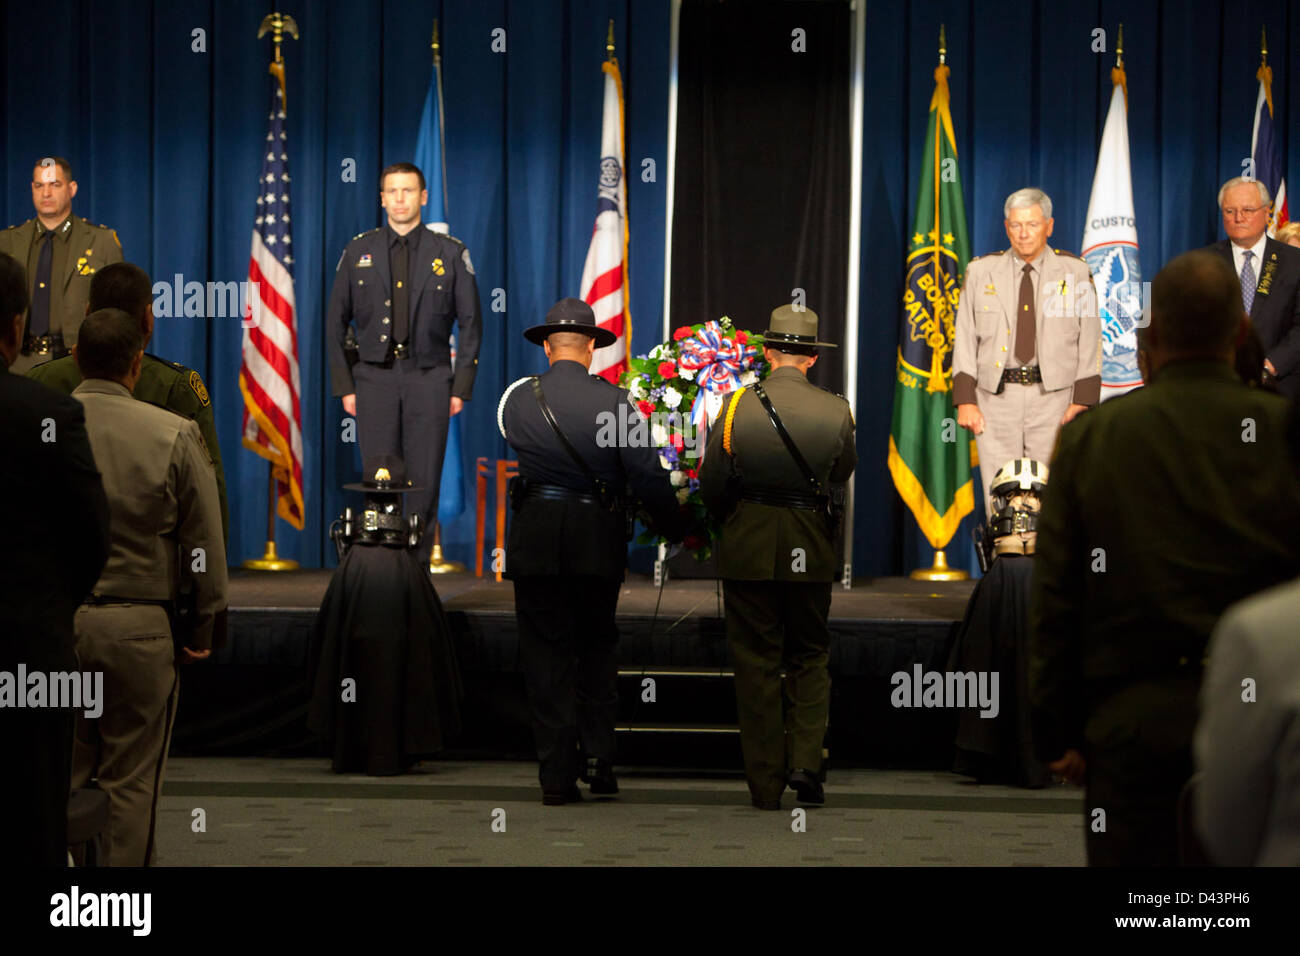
<point x="1164" y="506"/>
<point x="54" y="539"/>
<point x="759" y="540"/>
<point x="553" y="537"/>
<point x="1275" y="311"/>
<point x="443" y="291"/>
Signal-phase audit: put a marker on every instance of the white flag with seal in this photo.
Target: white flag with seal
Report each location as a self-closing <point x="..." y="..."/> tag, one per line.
<point x="1110" y="246"/>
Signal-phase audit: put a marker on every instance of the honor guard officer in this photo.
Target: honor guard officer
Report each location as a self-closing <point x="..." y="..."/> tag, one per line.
<point x="766" y="475"/>
<point x="402" y="286"/>
<point x="1027" y="355"/>
<point x="567" y="550"/>
<point x="165" y="526"/>
<point x="169" y="385"/>
<point x="61" y="253"/>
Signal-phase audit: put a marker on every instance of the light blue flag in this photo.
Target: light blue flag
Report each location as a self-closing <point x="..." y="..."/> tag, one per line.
<point x="428" y="156"/>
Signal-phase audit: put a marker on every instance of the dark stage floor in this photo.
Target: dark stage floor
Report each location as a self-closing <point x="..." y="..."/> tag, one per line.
<point x="870" y="599"/>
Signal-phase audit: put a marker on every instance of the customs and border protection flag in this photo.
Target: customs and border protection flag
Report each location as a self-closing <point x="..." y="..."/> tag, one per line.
<point x="604" y="275"/>
<point x="933" y="475"/>
<point x="1110" y="247"/>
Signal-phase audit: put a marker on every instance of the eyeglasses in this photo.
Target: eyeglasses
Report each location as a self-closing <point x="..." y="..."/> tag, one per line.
<point x="1245" y="211"/>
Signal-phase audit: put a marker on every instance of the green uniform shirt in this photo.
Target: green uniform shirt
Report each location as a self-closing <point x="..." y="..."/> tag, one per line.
<point x="761" y="542"/>
<point x="169" y="385"/>
<point x="1164" y="506"/>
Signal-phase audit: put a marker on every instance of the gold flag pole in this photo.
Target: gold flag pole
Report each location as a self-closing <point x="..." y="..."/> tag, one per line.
<point x="939" y="571"/>
<point x="278" y="25"/>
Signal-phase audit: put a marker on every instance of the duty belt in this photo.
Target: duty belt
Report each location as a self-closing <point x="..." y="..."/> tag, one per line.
<point x="1025" y="375"/>
<point x="560" y="493"/>
<point x="782" y="499"/>
<point x="44" y="345"/>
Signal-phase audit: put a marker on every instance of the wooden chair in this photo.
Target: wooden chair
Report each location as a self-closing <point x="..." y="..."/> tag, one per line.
<point x="505" y="470"/>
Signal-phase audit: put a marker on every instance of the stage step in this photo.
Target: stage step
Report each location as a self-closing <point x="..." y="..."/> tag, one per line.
<point x="678" y="729"/>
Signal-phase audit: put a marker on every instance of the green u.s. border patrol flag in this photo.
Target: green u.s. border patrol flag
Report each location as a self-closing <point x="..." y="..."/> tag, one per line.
<point x="929" y="456"/>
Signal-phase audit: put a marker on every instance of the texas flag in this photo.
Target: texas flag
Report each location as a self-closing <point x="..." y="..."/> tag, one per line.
<point x="1264" y="151"/>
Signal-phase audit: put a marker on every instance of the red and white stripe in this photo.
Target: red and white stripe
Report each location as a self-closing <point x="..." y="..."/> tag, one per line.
<point x="604" y="275"/>
<point x="268" y="377"/>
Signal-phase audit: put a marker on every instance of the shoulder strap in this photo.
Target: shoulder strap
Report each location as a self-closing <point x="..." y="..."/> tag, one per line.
<point x="555" y="427"/>
<point x="789" y="442"/>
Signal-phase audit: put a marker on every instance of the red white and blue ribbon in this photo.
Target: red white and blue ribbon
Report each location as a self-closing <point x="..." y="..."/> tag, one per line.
<point x="717" y="361"/>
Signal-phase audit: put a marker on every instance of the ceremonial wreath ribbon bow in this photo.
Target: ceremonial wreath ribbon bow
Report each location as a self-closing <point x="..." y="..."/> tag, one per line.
<point x="717" y="362"/>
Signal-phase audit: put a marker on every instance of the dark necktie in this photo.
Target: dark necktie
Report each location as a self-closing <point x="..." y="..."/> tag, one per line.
<point x="401" y="286"/>
<point x="1025" y="318"/>
<point x="39" y="323"/>
<point x="1247" y="281"/>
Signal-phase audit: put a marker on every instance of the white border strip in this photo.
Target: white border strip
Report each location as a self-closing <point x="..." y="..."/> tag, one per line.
<point x="674" y="47"/>
<point x="858" y="53"/>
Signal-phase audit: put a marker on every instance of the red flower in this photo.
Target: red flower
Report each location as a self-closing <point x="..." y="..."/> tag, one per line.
<point x="682" y="333"/>
<point x="693" y="542"/>
<point x="646" y="408"/>
<point x="675" y="439"/>
<point x="667" y="370"/>
<point x="742" y="338"/>
<point x="692" y="473"/>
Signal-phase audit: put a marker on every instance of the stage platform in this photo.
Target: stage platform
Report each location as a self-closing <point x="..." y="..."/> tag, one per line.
<point x="251" y="697"/>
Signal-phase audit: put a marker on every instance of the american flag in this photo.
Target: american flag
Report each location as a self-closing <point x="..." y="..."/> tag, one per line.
<point x="268" y="376"/>
<point x="604" y="276"/>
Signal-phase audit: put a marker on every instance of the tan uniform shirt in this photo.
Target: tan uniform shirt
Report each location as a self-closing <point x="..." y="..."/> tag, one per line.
<point x="162" y="495"/>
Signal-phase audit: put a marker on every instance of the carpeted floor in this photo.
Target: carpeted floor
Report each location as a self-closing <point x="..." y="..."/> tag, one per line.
<point x="273" y="812"/>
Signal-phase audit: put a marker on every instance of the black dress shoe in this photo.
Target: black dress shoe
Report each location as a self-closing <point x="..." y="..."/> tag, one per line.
<point x="766" y="804"/>
<point x="557" y="798"/>
<point x="599" y="775"/>
<point x="808" y="787"/>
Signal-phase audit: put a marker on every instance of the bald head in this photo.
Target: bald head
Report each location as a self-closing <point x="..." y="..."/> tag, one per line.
<point x="1196" y="309"/>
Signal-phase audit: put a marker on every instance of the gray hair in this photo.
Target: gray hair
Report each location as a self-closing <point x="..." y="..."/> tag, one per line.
<point x="1024" y="198"/>
<point x="1264" y="196"/>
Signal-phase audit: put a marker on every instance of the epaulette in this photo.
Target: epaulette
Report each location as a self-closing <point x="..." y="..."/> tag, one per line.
<point x="366" y="233"/>
<point x="1072" y="255"/>
<point x="604" y="380"/>
<point x="459" y="242"/>
<point x="168" y="362"/>
<point x="988" y="255"/>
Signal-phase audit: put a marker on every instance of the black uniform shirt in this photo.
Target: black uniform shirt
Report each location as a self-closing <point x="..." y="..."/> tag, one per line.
<point x="566" y="537"/>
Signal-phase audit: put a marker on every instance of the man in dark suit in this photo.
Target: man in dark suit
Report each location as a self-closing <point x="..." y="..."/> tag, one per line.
<point x="1269" y="272"/>
<point x="402" y="286"/>
<point x="777" y="558"/>
<point x="54" y="544"/>
<point x="1165" y="506"/>
<point x="567" y="551"/>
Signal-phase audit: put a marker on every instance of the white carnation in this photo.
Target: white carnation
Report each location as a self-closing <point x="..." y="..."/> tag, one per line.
<point x="637" y="388"/>
<point x="686" y="373"/>
<point x="748" y="378"/>
<point x="682" y="495"/>
<point x="677" y="477"/>
<point x="659" y="351"/>
<point x="658" y="435"/>
<point x="672" y="397"/>
<point x="665" y="463"/>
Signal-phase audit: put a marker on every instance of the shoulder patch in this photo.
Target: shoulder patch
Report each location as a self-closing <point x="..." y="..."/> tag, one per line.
<point x="196" y="383"/>
<point x="505" y="396"/>
<point x="464" y="257"/>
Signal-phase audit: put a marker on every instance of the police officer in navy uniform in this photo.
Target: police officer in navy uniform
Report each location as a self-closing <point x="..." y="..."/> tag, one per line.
<point x="401" y="286"/>
<point x="567" y="550"/>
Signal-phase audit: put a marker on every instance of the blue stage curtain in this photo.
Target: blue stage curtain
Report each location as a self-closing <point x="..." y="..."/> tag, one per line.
<point x="166" y="145"/>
